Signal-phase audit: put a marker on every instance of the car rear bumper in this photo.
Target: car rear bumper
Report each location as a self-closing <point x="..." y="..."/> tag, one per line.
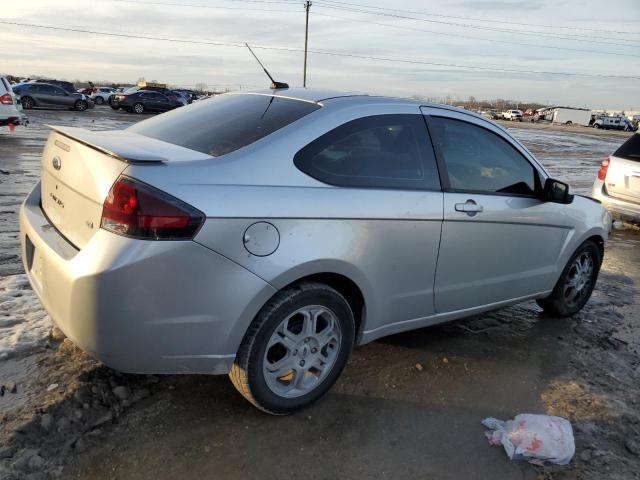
<point x="621" y="209"/>
<point x="141" y="306"/>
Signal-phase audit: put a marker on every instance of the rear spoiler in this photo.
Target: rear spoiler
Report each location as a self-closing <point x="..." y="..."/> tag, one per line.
<point x="129" y="147"/>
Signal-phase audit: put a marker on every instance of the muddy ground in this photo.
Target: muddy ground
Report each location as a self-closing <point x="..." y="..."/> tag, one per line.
<point x="407" y="406"/>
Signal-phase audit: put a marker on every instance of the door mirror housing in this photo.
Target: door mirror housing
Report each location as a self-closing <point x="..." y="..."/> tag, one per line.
<point x="556" y="191"/>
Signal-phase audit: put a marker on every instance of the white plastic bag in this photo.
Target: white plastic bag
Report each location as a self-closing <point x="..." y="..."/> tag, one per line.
<point x="536" y="438"/>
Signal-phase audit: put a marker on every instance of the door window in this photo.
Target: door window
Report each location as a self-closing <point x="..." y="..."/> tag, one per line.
<point x="382" y="151"/>
<point x="478" y="160"/>
<point x="44" y="89"/>
<point x="59" y="92"/>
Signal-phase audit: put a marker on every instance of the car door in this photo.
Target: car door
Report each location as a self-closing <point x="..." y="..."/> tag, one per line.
<point x="152" y="101"/>
<point x="61" y="98"/>
<point x="499" y="240"/>
<point x="42" y="94"/>
<point x="163" y="102"/>
<point x="385" y="165"/>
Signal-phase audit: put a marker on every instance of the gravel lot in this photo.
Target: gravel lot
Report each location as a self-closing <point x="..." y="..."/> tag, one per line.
<point x="407" y="406"/>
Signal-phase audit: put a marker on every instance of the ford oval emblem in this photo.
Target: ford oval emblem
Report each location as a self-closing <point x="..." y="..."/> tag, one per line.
<point x="57" y="163"/>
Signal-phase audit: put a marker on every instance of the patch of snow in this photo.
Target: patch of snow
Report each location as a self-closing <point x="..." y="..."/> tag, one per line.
<point x="24" y="325"/>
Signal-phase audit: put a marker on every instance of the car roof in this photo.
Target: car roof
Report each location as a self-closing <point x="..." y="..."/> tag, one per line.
<point x="326" y="97"/>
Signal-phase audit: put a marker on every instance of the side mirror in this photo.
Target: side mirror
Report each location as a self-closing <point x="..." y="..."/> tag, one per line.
<point x="556" y="191"/>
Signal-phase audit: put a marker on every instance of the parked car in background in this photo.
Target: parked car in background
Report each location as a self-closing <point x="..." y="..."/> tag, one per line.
<point x="614" y="123"/>
<point x="10" y="108"/>
<point x="38" y="94"/>
<point x="141" y="101"/>
<point x="512" y="115"/>
<point x="67" y="86"/>
<point x="101" y="94"/>
<point x="291" y="226"/>
<point x="617" y="185"/>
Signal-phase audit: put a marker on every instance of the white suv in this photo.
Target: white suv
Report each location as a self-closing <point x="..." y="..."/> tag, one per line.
<point x="101" y="95"/>
<point x="10" y="108"/>
<point x="618" y="183"/>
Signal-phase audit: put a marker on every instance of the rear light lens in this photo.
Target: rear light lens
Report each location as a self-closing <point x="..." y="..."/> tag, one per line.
<point x="134" y="209"/>
<point x="6" y="99"/>
<point x="604" y="166"/>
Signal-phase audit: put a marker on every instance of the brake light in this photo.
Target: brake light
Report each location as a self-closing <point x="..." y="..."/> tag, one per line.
<point x="134" y="209"/>
<point x="6" y="99"/>
<point x="604" y="166"/>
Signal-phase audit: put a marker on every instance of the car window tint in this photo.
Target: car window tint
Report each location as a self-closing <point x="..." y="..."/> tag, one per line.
<point x="224" y="124"/>
<point x="382" y="151"/>
<point x="479" y="160"/>
<point x="59" y="91"/>
<point x="45" y="89"/>
<point x="630" y="150"/>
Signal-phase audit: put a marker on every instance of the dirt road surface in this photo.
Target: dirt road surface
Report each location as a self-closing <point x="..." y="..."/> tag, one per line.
<point x="407" y="406"/>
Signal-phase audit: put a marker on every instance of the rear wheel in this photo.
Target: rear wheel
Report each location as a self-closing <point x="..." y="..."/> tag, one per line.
<point x="295" y="349"/>
<point x="138" y="108"/>
<point x="576" y="283"/>
<point x="27" y="103"/>
<point x="595" y="125"/>
<point x="81" y="105"/>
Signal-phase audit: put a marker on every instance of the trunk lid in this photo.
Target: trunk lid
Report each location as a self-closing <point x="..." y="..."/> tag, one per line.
<point x="80" y="166"/>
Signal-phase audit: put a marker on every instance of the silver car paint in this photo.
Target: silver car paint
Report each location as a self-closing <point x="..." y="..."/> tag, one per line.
<point x="416" y="260"/>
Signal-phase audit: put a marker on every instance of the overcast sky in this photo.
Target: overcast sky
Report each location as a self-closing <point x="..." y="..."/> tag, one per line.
<point x="433" y="35"/>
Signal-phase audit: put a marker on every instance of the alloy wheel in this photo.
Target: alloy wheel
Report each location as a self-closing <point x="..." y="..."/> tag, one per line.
<point x="579" y="279"/>
<point x="302" y="351"/>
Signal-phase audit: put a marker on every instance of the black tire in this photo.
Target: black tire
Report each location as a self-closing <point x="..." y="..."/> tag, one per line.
<point x="27" y="103"/>
<point x="80" y="105"/>
<point x="138" y="108"/>
<point x="247" y="370"/>
<point x="558" y="304"/>
<point x="99" y="100"/>
<point x="115" y="107"/>
<point x="595" y="125"/>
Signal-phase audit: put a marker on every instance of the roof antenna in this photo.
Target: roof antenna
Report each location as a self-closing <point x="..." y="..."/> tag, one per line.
<point x="274" y="84"/>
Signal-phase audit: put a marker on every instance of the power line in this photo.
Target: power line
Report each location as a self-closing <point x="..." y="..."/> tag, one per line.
<point x="476" y="27"/>
<point x="455" y="35"/>
<point x="221" y="7"/>
<point x="481" y="19"/>
<point x="461" y="67"/>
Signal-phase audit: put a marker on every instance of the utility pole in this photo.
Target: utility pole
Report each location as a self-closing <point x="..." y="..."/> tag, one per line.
<point x="307" y="6"/>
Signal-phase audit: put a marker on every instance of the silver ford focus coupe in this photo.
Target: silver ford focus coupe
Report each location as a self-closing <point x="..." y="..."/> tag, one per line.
<point x="266" y="234"/>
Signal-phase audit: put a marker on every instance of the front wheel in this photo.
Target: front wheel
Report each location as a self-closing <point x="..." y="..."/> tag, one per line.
<point x="99" y="100"/>
<point x="595" y="125"/>
<point x="295" y="349"/>
<point x="576" y="283"/>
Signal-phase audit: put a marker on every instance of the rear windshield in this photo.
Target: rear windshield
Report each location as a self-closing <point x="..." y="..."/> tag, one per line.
<point x="630" y="150"/>
<point x="226" y="123"/>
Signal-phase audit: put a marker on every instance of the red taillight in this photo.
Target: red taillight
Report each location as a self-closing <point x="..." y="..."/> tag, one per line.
<point x="604" y="166"/>
<point x="134" y="209"/>
<point x="6" y="99"/>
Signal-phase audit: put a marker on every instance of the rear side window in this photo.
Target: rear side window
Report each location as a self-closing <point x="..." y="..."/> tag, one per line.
<point x="630" y="150"/>
<point x="382" y="151"/>
<point x="478" y="160"/>
<point x="224" y="124"/>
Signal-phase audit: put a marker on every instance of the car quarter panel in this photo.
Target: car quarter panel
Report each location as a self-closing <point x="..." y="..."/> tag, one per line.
<point x="140" y="306"/>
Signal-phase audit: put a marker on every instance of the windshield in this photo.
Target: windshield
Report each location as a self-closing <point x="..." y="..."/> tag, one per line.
<point x="226" y="123"/>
